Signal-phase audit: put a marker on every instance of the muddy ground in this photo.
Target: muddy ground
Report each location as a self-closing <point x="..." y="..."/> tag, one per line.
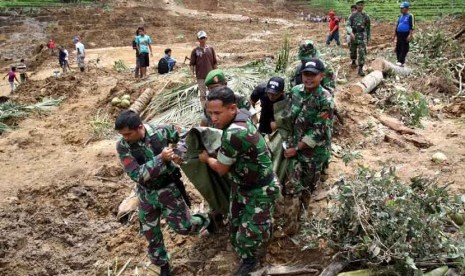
<point x="60" y="186"/>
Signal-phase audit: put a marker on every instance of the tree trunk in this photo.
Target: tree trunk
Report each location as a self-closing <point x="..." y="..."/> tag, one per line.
<point x="144" y="99"/>
<point x="368" y="83"/>
<point x="389" y="68"/>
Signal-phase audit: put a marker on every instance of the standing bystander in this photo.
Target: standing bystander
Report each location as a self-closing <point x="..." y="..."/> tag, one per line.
<point x="144" y="47"/>
<point x="333" y="29"/>
<point x="80" y="53"/>
<point x="361" y="34"/>
<point x="203" y="60"/>
<point x="404" y="32"/>
<point x="11" y="78"/>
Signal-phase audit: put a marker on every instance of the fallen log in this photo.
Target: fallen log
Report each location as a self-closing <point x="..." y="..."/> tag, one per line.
<point x="291" y="270"/>
<point x="368" y="83"/>
<point x="144" y="99"/>
<point x="387" y="67"/>
<point x="394" y="124"/>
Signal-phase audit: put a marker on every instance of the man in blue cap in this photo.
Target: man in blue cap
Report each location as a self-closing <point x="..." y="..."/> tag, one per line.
<point x="404" y="32"/>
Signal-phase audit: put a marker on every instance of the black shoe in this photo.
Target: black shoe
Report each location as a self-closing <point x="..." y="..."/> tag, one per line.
<point x="354" y="65"/>
<point x="165" y="270"/>
<point x="360" y="71"/>
<point x="246" y="267"/>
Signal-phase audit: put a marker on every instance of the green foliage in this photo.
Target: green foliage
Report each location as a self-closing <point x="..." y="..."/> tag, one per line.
<point x="378" y="218"/>
<point x="120" y="66"/>
<point x="389" y="9"/>
<point x="102" y="125"/>
<point x="11" y="111"/>
<point x="40" y="3"/>
<point x="349" y="156"/>
<point x="181" y="105"/>
<point x="412" y="106"/>
<point x="283" y="56"/>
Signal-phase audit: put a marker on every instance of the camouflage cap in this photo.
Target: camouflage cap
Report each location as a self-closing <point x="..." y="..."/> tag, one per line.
<point x="214" y="76"/>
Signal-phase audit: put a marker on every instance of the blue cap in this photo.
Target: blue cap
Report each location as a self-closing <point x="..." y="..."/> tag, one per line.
<point x="76" y="39"/>
<point x="405" y="5"/>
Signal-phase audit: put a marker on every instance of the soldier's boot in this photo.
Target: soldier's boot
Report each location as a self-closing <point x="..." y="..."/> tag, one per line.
<point x="353" y="65"/>
<point x="246" y="267"/>
<point x="165" y="270"/>
<point x="360" y="71"/>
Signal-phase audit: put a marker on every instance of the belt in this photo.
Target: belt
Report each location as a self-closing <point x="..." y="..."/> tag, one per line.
<point x="261" y="183"/>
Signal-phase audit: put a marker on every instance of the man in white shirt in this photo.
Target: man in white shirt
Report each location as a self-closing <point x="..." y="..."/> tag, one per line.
<point x="80" y="53"/>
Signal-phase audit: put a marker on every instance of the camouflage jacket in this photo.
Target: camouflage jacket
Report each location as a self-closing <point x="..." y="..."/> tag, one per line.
<point x="313" y="120"/>
<point x="360" y="24"/>
<point x="142" y="163"/>
<point x="245" y="150"/>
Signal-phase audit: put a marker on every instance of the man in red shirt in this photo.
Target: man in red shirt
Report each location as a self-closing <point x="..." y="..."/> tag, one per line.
<point x="51" y="47"/>
<point x="333" y="29"/>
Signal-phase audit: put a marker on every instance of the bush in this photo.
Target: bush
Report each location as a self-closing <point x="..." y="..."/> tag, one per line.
<point x="377" y="218"/>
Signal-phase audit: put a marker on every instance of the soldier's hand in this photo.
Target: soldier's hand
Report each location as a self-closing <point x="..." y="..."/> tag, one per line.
<point x="177" y="159"/>
<point x="167" y="154"/>
<point x="290" y="152"/>
<point x="352" y="37"/>
<point x="203" y="157"/>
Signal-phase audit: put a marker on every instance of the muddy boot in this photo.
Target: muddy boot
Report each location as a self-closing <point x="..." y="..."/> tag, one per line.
<point x="353" y="65"/>
<point x="246" y="267"/>
<point x="360" y="71"/>
<point x="165" y="270"/>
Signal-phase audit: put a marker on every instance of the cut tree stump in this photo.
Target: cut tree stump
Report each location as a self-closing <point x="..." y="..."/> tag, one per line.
<point x="387" y="67"/>
<point x="368" y="83"/>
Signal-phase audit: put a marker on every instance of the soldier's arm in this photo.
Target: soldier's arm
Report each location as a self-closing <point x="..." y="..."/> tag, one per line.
<point x="323" y="121"/>
<point x="140" y="173"/>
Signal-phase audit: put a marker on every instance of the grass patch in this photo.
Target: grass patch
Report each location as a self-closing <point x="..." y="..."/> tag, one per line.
<point x="102" y="126"/>
<point x="389" y="9"/>
<point x="40" y="3"/>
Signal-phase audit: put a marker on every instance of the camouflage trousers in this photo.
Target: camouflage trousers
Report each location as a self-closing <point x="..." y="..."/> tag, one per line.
<point x="251" y="215"/>
<point x="359" y="44"/>
<point x="169" y="203"/>
<point x="303" y="178"/>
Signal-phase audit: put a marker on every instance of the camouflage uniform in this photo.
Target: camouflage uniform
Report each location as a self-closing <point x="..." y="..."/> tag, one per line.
<point x="157" y="190"/>
<point x="255" y="187"/>
<point x="312" y="115"/>
<point x="304" y="55"/>
<point x="360" y="25"/>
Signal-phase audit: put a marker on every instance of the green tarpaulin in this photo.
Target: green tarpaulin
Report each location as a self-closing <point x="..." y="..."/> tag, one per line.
<point x="214" y="188"/>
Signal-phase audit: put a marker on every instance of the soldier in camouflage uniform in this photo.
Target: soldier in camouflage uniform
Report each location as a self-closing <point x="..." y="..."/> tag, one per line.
<point x="148" y="160"/>
<point x="307" y="51"/>
<point x="360" y="26"/>
<point x="309" y="146"/>
<point x="215" y="79"/>
<point x="245" y="158"/>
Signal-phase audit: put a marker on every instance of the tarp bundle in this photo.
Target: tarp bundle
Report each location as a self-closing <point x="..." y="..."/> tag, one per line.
<point x="214" y="188"/>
